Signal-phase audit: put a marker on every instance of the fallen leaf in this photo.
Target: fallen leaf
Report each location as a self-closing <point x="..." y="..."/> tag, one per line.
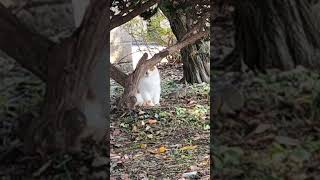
<point x="192" y="102"/>
<point x="152" y="121"/>
<point x="116" y="132"/>
<point x="185" y="148"/>
<point x="134" y="129"/>
<point x="143" y="146"/>
<point x="125" y="156"/>
<point x="125" y="177"/>
<point x="162" y="149"/>
<point x="114" y="156"/>
<point x="167" y="158"/>
<point x="150" y="136"/>
<point x="194" y="168"/>
<point x="147" y="128"/>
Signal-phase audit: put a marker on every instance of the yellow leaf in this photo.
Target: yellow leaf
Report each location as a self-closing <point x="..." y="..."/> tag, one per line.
<point x="143" y="146"/>
<point x="187" y="148"/>
<point x="162" y="149"/>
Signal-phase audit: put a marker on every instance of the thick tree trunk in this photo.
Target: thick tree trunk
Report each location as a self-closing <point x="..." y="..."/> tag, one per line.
<point x="273" y="33"/>
<point x="76" y="86"/>
<point x="196" y="66"/>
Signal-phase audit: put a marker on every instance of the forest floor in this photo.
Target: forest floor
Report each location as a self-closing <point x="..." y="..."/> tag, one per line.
<point x="276" y="135"/>
<point x="166" y="142"/>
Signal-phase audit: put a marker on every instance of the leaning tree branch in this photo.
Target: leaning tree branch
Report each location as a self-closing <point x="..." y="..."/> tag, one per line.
<point x="170" y="50"/>
<point x="118" y="20"/>
<point x="197" y="26"/>
<point x="144" y="63"/>
<point x="26" y="47"/>
<point x="128" y="99"/>
<point x="117" y="75"/>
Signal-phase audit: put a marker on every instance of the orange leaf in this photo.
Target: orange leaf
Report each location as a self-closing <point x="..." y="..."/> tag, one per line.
<point x="152" y="121"/>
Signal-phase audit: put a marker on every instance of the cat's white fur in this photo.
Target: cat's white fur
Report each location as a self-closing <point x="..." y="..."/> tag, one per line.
<point x="149" y="88"/>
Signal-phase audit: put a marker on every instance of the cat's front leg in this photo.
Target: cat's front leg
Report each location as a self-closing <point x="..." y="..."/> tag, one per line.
<point x="139" y="99"/>
<point x="147" y="99"/>
<point x="148" y="103"/>
<point x="156" y="98"/>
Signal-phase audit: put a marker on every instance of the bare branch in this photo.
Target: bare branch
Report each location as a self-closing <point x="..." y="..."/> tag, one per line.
<point x="118" y="20"/>
<point x="28" y="48"/>
<point x="197" y="26"/>
<point x="117" y="75"/>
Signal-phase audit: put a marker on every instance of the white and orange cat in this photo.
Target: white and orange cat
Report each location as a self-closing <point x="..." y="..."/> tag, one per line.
<point x="149" y="88"/>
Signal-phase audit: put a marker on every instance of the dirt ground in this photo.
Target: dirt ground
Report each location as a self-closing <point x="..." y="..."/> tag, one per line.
<point x="164" y="142"/>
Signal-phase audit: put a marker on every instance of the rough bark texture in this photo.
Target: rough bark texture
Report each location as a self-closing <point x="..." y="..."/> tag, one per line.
<point x="196" y="66"/>
<point x="29" y="49"/>
<point x="280" y="34"/>
<point x="71" y="66"/>
<point x="119" y="19"/>
<point x="65" y="114"/>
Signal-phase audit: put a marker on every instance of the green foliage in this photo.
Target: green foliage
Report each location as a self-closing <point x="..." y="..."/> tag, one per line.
<point x="193" y="115"/>
<point x="200" y="89"/>
<point x="155" y="32"/>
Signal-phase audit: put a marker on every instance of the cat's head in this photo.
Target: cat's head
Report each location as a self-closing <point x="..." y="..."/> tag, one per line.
<point x="151" y="70"/>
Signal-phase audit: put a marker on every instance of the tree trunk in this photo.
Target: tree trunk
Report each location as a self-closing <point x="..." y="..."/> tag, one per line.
<point x="281" y="34"/>
<point x="196" y="66"/>
<point x="76" y="87"/>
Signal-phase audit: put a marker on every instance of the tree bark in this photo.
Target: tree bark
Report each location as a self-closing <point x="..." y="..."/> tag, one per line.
<point x="28" y="48"/>
<point x="280" y="34"/>
<point x="196" y="66"/>
<point x="65" y="116"/>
